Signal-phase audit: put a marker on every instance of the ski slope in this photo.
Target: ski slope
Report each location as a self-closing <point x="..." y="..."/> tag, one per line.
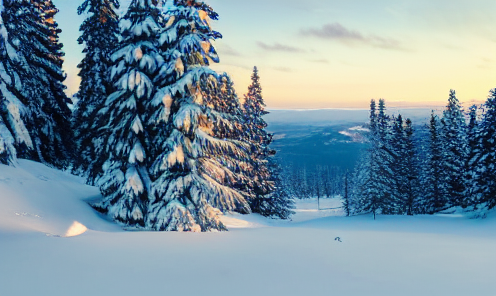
<point x="52" y="243"/>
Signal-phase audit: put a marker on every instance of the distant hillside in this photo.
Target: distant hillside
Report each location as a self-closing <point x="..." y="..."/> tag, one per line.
<point x="326" y="137"/>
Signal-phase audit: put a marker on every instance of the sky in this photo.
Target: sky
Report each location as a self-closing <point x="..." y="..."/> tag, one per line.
<point x="341" y="53"/>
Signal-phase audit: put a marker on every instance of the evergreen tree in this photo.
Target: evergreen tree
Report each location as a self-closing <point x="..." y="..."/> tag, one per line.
<point x="411" y="174"/>
<point x="371" y="189"/>
<point x="189" y="172"/>
<point x="259" y="138"/>
<point x="473" y="150"/>
<point x="384" y="178"/>
<point x="99" y="36"/>
<point x="346" y="196"/>
<point x="484" y="193"/>
<point x="13" y="132"/>
<point x="33" y="36"/>
<point x="399" y="167"/>
<point x="455" y="154"/>
<point x="125" y="183"/>
<point x="434" y="185"/>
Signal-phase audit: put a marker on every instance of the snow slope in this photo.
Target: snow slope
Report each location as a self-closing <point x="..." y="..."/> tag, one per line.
<point x="439" y="255"/>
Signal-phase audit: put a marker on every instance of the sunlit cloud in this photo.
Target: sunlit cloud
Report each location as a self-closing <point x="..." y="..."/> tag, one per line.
<point x="338" y="32"/>
<point x="279" y="47"/>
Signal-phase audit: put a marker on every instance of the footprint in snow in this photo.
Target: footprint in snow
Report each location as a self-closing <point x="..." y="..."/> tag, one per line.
<point x="43" y="178"/>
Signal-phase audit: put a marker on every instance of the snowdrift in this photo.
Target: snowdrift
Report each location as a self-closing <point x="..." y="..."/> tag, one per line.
<point x="53" y="243"/>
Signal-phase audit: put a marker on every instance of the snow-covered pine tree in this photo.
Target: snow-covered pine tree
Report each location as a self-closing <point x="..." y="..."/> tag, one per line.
<point x="46" y="58"/>
<point x="259" y="138"/>
<point x="187" y="193"/>
<point x="455" y="150"/>
<point x="473" y="149"/>
<point x="13" y="132"/>
<point x="370" y="196"/>
<point x="99" y="36"/>
<point x="399" y="169"/>
<point x="411" y="174"/>
<point x="125" y="183"/>
<point x="433" y="183"/>
<point x="384" y="177"/>
<point x="484" y="193"/>
<point x="33" y="39"/>
<point x="346" y="197"/>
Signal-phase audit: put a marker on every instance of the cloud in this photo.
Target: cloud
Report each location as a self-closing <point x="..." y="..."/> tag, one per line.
<point x="283" y="69"/>
<point x="320" y="61"/>
<point x="279" y="47"/>
<point x="227" y="50"/>
<point x="336" y="31"/>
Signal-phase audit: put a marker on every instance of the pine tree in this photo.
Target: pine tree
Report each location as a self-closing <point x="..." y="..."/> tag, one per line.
<point x="434" y="185"/>
<point x="371" y="197"/>
<point x="99" y="36"/>
<point x="188" y="192"/>
<point x="412" y="204"/>
<point x="259" y="138"/>
<point x="399" y="167"/>
<point x="473" y="150"/>
<point x="346" y="197"/>
<point x="455" y="153"/>
<point x="485" y="175"/>
<point x="33" y="36"/>
<point x="13" y="132"/>
<point x="126" y="184"/>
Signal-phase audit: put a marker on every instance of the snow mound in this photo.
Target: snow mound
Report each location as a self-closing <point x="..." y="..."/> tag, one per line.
<point x="76" y="229"/>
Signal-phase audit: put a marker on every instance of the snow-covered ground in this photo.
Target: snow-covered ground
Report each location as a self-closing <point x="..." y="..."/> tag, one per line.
<point x="52" y="243"/>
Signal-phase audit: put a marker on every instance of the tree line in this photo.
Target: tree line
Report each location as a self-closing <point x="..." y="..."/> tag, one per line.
<point x="165" y="138"/>
<point x="409" y="170"/>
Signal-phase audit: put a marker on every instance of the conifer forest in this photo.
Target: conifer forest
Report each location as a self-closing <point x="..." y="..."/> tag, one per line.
<point x="157" y="143"/>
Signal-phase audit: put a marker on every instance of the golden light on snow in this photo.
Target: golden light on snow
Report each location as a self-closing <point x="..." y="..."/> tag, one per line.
<point x="76" y="229"/>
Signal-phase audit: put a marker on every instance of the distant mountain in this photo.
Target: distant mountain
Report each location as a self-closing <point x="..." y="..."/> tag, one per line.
<point x="326" y="137"/>
<point x="332" y="117"/>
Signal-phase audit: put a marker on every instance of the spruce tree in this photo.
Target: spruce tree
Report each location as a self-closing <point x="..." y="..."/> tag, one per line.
<point x="434" y="185"/>
<point x="455" y="153"/>
<point x="125" y="183"/>
<point x="259" y="138"/>
<point x="13" y="132"/>
<point x="473" y="150"/>
<point x="188" y="193"/>
<point x="412" y="203"/>
<point x="33" y="36"/>
<point x="371" y="198"/>
<point x="99" y="36"/>
<point x="484" y="193"/>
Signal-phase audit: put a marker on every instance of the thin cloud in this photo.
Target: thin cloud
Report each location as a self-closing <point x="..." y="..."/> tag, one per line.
<point x="283" y="69"/>
<point x="228" y="51"/>
<point x="336" y="31"/>
<point x="279" y="47"/>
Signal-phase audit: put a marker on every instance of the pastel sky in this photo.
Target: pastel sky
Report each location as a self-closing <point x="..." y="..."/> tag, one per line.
<point x="342" y="53"/>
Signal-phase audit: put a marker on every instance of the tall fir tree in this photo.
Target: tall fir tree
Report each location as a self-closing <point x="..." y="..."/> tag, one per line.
<point x="371" y="198"/>
<point x="412" y="189"/>
<point x="36" y="96"/>
<point x="125" y="183"/>
<point x="473" y="150"/>
<point x="484" y="193"/>
<point x="265" y="181"/>
<point x="99" y="37"/>
<point x="433" y="183"/>
<point x="13" y="132"/>
<point x="259" y="138"/>
<point x="190" y="168"/>
<point x="455" y="153"/>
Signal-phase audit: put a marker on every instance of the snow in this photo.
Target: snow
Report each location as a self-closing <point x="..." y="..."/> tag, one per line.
<point x="53" y="243"/>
